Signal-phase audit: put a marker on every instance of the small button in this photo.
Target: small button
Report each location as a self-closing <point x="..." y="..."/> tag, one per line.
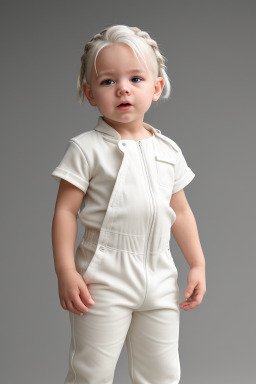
<point x="123" y="143"/>
<point x="101" y="248"/>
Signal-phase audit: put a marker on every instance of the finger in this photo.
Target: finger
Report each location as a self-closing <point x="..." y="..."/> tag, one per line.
<point x="86" y="296"/>
<point x="192" y="298"/>
<point x="185" y="307"/>
<point x="77" y="310"/>
<point x="184" y="302"/>
<point x="189" y="304"/>
<point x="79" y="305"/>
<point x="63" y="304"/>
<point x="71" y="307"/>
<point x="199" y="297"/>
<point x="189" y="290"/>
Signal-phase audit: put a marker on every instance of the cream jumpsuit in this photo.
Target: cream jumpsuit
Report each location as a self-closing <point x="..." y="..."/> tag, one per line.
<point x="131" y="275"/>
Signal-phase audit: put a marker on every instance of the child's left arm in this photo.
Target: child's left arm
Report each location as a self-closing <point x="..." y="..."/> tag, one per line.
<point x="186" y="235"/>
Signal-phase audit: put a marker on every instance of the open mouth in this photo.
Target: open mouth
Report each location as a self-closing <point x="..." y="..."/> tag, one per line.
<point x="123" y="104"/>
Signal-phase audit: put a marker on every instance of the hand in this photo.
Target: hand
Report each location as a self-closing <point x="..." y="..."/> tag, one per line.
<point x="73" y="292"/>
<point x="196" y="288"/>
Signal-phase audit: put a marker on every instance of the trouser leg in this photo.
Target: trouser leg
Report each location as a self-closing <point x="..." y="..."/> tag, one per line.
<point x="152" y="346"/>
<point x="97" y="339"/>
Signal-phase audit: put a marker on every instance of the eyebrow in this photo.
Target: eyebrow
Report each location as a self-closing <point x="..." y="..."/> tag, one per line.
<point x="136" y="70"/>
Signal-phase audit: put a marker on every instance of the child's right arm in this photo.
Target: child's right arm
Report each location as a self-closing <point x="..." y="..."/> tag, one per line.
<point x="73" y="291"/>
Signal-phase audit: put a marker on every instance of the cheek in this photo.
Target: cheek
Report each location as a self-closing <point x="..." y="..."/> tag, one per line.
<point x="104" y="98"/>
<point x="147" y="94"/>
<point x="147" y="99"/>
<point x="144" y="102"/>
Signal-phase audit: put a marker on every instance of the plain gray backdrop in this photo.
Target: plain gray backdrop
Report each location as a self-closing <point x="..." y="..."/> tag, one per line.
<point x="210" y="51"/>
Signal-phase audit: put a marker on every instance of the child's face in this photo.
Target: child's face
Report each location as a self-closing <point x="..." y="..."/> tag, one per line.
<point x="138" y="87"/>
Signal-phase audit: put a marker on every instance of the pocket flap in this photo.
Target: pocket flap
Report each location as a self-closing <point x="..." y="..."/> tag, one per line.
<point x="166" y="159"/>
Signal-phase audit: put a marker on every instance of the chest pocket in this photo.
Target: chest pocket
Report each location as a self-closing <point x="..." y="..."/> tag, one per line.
<point x="165" y="170"/>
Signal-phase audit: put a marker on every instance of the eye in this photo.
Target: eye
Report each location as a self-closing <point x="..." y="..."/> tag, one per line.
<point x="104" y="81"/>
<point x="136" y="77"/>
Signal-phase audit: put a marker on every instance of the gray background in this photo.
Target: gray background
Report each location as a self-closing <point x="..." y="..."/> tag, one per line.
<point x="210" y="47"/>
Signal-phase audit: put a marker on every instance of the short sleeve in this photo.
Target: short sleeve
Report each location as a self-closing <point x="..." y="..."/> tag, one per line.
<point x="73" y="167"/>
<point x="183" y="174"/>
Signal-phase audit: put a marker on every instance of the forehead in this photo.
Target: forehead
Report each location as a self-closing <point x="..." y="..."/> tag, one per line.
<point x="118" y="58"/>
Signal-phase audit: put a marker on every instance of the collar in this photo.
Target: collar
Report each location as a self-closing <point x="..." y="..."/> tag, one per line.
<point x="105" y="128"/>
<point x="110" y="134"/>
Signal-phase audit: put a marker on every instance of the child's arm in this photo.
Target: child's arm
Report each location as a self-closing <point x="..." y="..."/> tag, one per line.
<point x="186" y="235"/>
<point x="64" y="232"/>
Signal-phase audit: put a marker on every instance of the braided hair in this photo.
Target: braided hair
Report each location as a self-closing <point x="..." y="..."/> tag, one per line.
<point x="140" y="42"/>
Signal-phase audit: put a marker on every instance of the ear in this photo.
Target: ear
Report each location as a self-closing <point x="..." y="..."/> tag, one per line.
<point x="89" y="94"/>
<point x="158" y="88"/>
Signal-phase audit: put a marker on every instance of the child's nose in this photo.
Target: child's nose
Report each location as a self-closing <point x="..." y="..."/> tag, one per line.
<point x="123" y="86"/>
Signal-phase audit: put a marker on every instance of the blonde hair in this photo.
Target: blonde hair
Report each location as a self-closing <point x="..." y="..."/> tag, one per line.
<point x="138" y="40"/>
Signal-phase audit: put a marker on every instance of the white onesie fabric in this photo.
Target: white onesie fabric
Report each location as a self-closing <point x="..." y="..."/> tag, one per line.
<point x="124" y="256"/>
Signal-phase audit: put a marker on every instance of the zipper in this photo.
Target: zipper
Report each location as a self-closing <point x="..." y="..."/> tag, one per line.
<point x="153" y="206"/>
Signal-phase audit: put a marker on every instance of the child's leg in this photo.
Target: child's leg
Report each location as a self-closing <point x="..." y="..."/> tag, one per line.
<point x="97" y="339"/>
<point x="153" y="337"/>
<point x="152" y="346"/>
<point x="116" y="281"/>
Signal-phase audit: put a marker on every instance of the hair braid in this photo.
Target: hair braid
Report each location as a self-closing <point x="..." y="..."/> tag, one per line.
<point x="153" y="44"/>
<point x="88" y="46"/>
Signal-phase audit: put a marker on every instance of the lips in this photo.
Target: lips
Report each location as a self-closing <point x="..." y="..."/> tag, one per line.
<point x="124" y="107"/>
<point x="124" y="103"/>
